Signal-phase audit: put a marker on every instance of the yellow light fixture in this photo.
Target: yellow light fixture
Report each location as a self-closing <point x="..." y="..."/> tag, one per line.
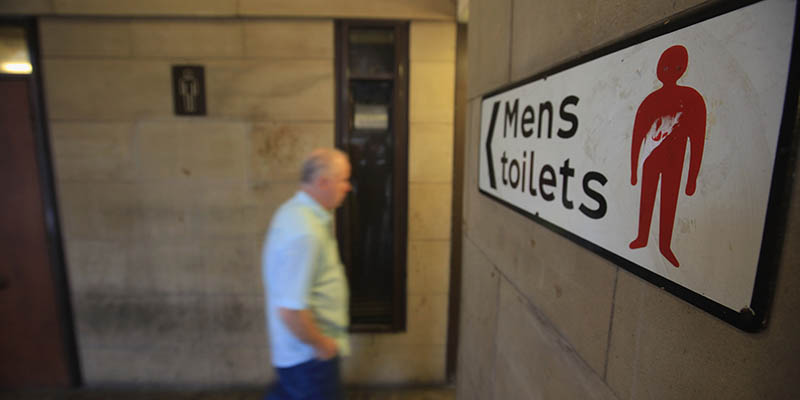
<point x="14" y="57"/>
<point x="16" y="68"/>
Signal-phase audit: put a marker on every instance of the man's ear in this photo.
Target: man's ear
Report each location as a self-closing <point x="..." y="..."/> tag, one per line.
<point x="323" y="180"/>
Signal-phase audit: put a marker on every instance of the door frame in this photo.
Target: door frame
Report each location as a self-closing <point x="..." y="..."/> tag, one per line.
<point x="400" y="130"/>
<point x="48" y="190"/>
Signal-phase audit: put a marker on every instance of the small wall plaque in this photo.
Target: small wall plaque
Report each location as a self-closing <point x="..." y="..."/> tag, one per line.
<point x="189" y="89"/>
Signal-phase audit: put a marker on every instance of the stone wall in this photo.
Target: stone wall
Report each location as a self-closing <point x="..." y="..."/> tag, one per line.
<point x="163" y="216"/>
<point x="543" y="317"/>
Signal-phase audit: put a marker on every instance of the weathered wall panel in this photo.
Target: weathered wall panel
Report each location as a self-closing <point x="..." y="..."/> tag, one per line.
<point x="480" y="290"/>
<point x="489" y="45"/>
<point x="22" y="7"/>
<point x="533" y="361"/>
<point x="303" y="39"/>
<point x="85" y="37"/>
<point x="195" y="39"/>
<point x="106" y="89"/>
<point x="546" y="34"/>
<point x="411" y="9"/>
<point x="146" y="7"/>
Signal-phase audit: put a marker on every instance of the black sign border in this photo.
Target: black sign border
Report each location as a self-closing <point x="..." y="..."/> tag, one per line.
<point x="199" y="70"/>
<point x="755" y="318"/>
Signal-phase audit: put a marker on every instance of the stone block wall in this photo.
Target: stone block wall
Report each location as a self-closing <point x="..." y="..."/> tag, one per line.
<point x="163" y="216"/>
<point x="544" y="318"/>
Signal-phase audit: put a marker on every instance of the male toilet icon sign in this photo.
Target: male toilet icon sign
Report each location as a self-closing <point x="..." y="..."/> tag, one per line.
<point x="668" y="120"/>
<point x="189" y="90"/>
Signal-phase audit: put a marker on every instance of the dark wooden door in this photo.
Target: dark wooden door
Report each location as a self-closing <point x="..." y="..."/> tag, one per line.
<point x="32" y="349"/>
<point x="372" y="128"/>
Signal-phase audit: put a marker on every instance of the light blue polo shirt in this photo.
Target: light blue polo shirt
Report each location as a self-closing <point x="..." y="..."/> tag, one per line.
<point x="302" y="269"/>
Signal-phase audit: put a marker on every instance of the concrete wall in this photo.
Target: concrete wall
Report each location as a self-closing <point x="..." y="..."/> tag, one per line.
<point x="163" y="216"/>
<point x="543" y="318"/>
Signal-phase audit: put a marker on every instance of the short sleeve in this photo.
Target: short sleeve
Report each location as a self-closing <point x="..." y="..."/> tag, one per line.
<point x="290" y="272"/>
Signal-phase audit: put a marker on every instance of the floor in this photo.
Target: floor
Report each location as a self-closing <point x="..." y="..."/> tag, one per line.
<point x="421" y="393"/>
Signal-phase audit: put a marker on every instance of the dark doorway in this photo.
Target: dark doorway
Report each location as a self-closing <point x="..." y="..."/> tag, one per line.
<point x="372" y="127"/>
<point x="36" y="344"/>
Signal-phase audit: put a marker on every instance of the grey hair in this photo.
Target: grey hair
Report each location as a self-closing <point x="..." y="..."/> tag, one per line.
<point x="319" y="162"/>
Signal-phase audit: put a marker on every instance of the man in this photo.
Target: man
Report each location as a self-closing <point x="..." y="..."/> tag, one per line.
<point x="667" y="121"/>
<point x="306" y="285"/>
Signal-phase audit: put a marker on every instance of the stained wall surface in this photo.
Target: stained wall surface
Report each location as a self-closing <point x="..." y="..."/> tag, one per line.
<point x="163" y="216"/>
<point x="544" y="318"/>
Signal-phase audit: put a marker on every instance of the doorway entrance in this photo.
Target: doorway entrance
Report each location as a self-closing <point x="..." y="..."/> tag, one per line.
<point x="372" y="127"/>
<point x="36" y="341"/>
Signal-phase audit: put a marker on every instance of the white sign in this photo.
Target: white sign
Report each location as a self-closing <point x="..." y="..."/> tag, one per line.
<point x="661" y="153"/>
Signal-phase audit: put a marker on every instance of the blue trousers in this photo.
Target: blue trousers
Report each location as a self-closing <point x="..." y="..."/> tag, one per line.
<point x="311" y="380"/>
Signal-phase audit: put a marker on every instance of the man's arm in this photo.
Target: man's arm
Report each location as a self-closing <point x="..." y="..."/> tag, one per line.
<point x="302" y="325"/>
<point x="697" y="139"/>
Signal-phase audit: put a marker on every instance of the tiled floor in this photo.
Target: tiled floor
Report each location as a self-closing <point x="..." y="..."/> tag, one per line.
<point x="422" y="393"/>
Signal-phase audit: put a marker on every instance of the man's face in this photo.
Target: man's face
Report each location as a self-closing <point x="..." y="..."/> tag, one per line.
<point x="337" y="184"/>
<point x="672" y="64"/>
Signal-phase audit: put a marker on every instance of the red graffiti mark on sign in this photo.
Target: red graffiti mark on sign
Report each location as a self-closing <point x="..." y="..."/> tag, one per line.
<point x="666" y="121"/>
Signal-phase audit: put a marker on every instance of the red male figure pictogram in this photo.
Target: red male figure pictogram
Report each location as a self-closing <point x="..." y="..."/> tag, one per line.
<point x="666" y="120"/>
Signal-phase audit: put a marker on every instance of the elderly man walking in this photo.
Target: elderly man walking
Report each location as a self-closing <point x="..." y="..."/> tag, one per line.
<point x="305" y="283"/>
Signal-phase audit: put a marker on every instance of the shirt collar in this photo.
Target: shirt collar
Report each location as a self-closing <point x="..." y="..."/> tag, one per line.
<point x="323" y="214"/>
